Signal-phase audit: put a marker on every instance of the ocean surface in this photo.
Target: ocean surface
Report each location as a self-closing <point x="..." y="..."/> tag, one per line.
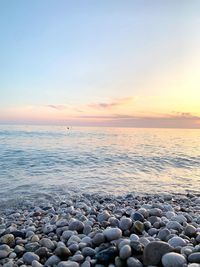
<point x="50" y="162"/>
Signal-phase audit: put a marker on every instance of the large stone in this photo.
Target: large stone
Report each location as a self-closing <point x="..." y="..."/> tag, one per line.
<point x="46" y="242"/>
<point x="112" y="233"/>
<point x="53" y="260"/>
<point x="28" y="257"/>
<point x="154" y="251"/>
<point x="7" y="239"/>
<point x="177" y="241"/>
<point x="4" y="251"/>
<point x="125" y="223"/>
<point x="133" y="262"/>
<point x="62" y="252"/>
<point x="194" y="257"/>
<point x="76" y="225"/>
<point x="125" y="252"/>
<point x="173" y="259"/>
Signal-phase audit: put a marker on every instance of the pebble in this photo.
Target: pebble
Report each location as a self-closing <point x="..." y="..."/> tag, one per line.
<point x="125" y="223"/>
<point x="76" y="225"/>
<point x="173" y="259"/>
<point x="112" y="233"/>
<point x="36" y="264"/>
<point x="4" y="251"/>
<point x="7" y="239"/>
<point x="177" y="241"/>
<point x="133" y="262"/>
<point x="46" y="242"/>
<point x="154" y="251"/>
<point x="194" y="257"/>
<point x="190" y="230"/>
<point x="62" y="252"/>
<point x="53" y="260"/>
<point x="28" y="257"/>
<point x="125" y="252"/>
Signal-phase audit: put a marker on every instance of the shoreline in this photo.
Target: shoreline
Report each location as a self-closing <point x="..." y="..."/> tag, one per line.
<point x="103" y="230"/>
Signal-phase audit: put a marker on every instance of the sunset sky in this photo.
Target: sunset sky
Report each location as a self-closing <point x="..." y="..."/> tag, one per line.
<point x="100" y="63"/>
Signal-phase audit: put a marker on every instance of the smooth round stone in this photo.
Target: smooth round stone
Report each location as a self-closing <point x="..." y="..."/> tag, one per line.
<point x="76" y="225"/>
<point x="155" y="212"/>
<point x="53" y="260"/>
<point x="123" y="243"/>
<point x="194" y="257"/>
<point x="87" y="251"/>
<point x="98" y="239"/>
<point x="154" y="251"/>
<point x="138" y="227"/>
<point x="136" y="216"/>
<point x="173" y="259"/>
<point x="152" y="231"/>
<point x="35" y="238"/>
<point x="28" y="257"/>
<point x="193" y="265"/>
<point x="46" y="242"/>
<point x="107" y="255"/>
<point x="125" y="223"/>
<point x="134" y="237"/>
<point x="133" y="262"/>
<point x="68" y="264"/>
<point x="144" y="212"/>
<point x="67" y="234"/>
<point x="187" y="250"/>
<point x="4" y="253"/>
<point x="179" y="218"/>
<point x="73" y="247"/>
<point x="163" y="234"/>
<point x="85" y="264"/>
<point x="112" y="233"/>
<point x="77" y="258"/>
<point x="42" y="252"/>
<point x="12" y="255"/>
<point x="36" y="264"/>
<point x="62" y="252"/>
<point x="114" y="222"/>
<point x="175" y="226"/>
<point x="125" y="252"/>
<point x="103" y="216"/>
<point x="7" y="239"/>
<point x="190" y="230"/>
<point x="177" y="241"/>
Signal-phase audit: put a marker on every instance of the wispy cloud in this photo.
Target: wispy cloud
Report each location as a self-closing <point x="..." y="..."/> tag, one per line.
<point x="111" y="104"/>
<point x="57" y="107"/>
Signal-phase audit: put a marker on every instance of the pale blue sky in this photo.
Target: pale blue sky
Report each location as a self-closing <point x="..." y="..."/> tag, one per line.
<point x="67" y="52"/>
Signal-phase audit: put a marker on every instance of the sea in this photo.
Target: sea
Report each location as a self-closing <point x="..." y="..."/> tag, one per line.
<point x="51" y="162"/>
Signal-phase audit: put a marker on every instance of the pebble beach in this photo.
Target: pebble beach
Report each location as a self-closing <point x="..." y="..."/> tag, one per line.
<point x="103" y="230"/>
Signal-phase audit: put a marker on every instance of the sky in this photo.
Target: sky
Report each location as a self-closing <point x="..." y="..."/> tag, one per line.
<point x="100" y="63"/>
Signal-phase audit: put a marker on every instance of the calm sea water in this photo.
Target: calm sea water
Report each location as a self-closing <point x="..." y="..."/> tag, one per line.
<point x="51" y="161"/>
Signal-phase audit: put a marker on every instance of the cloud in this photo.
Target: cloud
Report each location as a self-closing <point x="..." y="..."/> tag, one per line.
<point x="184" y="115"/>
<point x="114" y="103"/>
<point x="57" y="107"/>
